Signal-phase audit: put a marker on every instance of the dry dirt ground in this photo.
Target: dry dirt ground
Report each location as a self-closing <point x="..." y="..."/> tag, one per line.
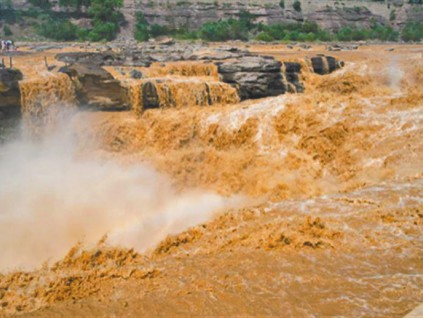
<point x="328" y="219"/>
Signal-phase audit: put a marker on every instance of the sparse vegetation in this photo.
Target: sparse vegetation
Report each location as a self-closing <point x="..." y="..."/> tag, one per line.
<point x="142" y="30"/>
<point x="297" y="6"/>
<point x="244" y="28"/>
<point x="106" y="19"/>
<point x="7" y="31"/>
<point x="412" y="32"/>
<point x="58" y="30"/>
<point x="104" y="15"/>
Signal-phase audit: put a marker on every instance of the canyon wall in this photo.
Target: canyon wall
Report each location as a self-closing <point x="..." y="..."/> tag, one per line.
<point x="331" y="14"/>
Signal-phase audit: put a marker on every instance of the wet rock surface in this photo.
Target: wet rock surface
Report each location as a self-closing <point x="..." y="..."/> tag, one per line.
<point x="325" y="64"/>
<point x="9" y="87"/>
<point x="260" y="76"/>
<point x="95" y="87"/>
<point x="291" y="72"/>
<point x="150" y="96"/>
<point x="254" y="76"/>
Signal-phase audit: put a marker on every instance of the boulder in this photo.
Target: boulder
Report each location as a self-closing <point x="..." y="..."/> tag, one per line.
<point x="253" y="76"/>
<point x="261" y="76"/>
<point x="251" y="64"/>
<point x="135" y="74"/>
<point x="9" y="87"/>
<point x="325" y="64"/>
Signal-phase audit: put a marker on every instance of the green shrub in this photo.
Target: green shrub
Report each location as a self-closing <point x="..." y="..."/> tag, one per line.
<point x="45" y="4"/>
<point x="104" y="31"/>
<point x="263" y="36"/>
<point x="6" y="4"/>
<point x="106" y="17"/>
<point x="297" y="6"/>
<point x="32" y="12"/>
<point x="412" y="32"/>
<point x="392" y="15"/>
<point x="159" y="30"/>
<point x="309" y="27"/>
<point x="9" y="15"/>
<point x="58" y="30"/>
<point x="225" y="30"/>
<point x="142" y="32"/>
<point x="77" y="4"/>
<point x="7" y="31"/>
<point x="376" y="32"/>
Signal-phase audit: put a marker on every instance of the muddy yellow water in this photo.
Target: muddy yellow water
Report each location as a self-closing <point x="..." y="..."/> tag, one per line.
<point x="331" y="215"/>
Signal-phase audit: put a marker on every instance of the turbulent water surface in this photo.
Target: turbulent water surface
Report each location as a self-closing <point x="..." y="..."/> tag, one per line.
<point x="299" y="205"/>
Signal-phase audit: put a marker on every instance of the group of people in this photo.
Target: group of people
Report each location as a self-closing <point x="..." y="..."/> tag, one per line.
<point x="6" y="45"/>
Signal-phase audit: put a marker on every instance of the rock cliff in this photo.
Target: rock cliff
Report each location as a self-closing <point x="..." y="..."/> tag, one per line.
<point x="331" y="14"/>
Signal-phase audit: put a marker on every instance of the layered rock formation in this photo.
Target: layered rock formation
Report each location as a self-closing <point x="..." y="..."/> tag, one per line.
<point x="258" y="76"/>
<point x="250" y="75"/>
<point x="330" y="14"/>
<point x="175" y="77"/>
<point x="192" y="14"/>
<point x="95" y="87"/>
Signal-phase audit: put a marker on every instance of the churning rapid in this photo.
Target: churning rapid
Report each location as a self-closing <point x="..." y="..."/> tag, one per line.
<point x="306" y="204"/>
<point x="52" y="198"/>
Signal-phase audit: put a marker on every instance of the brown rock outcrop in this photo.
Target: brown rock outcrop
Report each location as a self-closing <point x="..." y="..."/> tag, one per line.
<point x="96" y="88"/>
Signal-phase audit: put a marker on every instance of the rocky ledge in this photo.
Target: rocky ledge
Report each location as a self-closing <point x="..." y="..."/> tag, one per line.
<point x="95" y="87"/>
<point x="9" y="87"/>
<point x="254" y="77"/>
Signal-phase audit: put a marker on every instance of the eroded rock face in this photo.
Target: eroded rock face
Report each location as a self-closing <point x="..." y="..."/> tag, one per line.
<point x="260" y="76"/>
<point x="329" y="14"/>
<point x="334" y="18"/>
<point x="253" y="76"/>
<point x="10" y="101"/>
<point x="291" y="72"/>
<point x="9" y="87"/>
<point x="95" y="87"/>
<point x="325" y="64"/>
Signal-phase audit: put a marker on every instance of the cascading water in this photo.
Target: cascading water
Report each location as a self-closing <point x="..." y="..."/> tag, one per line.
<point x="180" y="92"/>
<point x="335" y="173"/>
<point x="45" y="98"/>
